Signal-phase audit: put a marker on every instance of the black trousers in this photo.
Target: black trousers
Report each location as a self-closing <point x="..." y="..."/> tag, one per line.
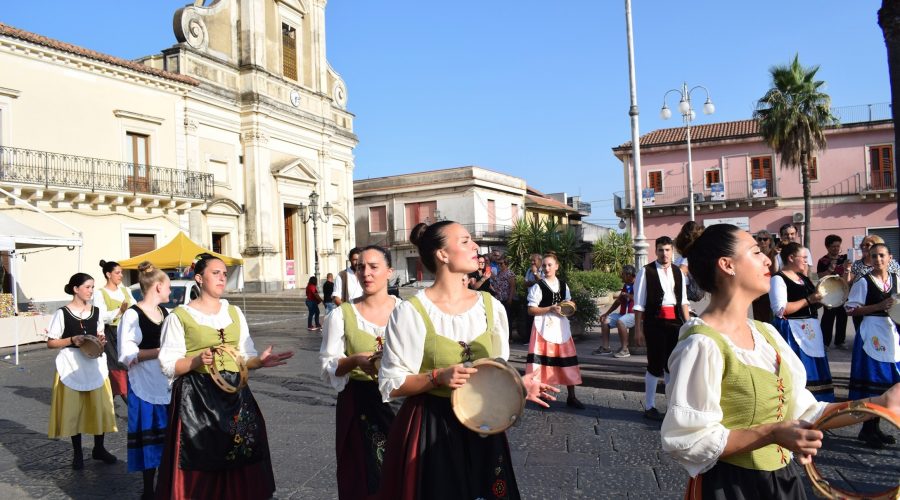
<point x="834" y="320"/>
<point x="661" y="336"/>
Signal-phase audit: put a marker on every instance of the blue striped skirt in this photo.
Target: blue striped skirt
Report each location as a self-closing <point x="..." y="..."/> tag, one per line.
<point x="146" y="432"/>
<point x="818" y="373"/>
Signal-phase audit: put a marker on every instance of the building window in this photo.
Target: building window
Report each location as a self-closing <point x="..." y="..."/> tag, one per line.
<point x="654" y="180"/>
<point x="139" y="244"/>
<point x="881" y="166"/>
<point x="514" y="213"/>
<point x="813" y="170"/>
<point x="761" y="168"/>
<point x="139" y="156"/>
<point x="289" y="51"/>
<point x="419" y="212"/>
<point x="377" y="219"/>
<point x="220" y="243"/>
<point x="288" y="217"/>
<point x="711" y="176"/>
<point x="492" y="215"/>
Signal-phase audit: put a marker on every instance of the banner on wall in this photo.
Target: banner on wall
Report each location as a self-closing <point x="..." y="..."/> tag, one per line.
<point x="649" y="196"/>
<point x="717" y="191"/>
<point x="760" y="188"/>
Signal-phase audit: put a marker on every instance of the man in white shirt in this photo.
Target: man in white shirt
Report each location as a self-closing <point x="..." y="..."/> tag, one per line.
<point x="789" y="234"/>
<point x="660" y="308"/>
<point x="346" y="285"/>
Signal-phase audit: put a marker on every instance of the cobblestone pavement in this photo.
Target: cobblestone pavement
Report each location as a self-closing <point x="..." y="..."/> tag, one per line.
<point x="605" y="451"/>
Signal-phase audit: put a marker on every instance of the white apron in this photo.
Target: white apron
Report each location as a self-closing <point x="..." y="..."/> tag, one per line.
<point x="808" y="335"/>
<point x="880" y="338"/>
<point x="553" y="328"/>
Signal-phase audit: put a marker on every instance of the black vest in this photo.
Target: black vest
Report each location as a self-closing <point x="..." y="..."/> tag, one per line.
<point x="797" y="292"/>
<point x="653" y="303"/>
<point x="73" y="325"/>
<point x="548" y="296"/>
<point x="874" y="293"/>
<point x="150" y="331"/>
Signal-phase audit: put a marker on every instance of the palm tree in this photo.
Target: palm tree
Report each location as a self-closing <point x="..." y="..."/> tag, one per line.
<point x="889" y="20"/>
<point x="792" y="118"/>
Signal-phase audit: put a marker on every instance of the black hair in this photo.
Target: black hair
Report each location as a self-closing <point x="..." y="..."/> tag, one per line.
<point x="629" y="270"/>
<point x="76" y="280"/>
<point x="385" y="253"/>
<point x="312" y="281"/>
<point x="785" y="226"/>
<point x="108" y="267"/>
<point x="876" y="245"/>
<point x="689" y="232"/>
<point x="663" y="240"/>
<point x="703" y="253"/>
<point x="202" y="261"/>
<point x="831" y="239"/>
<point x="429" y="239"/>
<point x="788" y="250"/>
<point x="354" y="251"/>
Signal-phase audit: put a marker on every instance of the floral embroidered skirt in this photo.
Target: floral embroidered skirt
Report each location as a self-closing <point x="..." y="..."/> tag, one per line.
<point x="363" y="423"/>
<point x="217" y="445"/>
<point x="818" y="373"/>
<point x="431" y="455"/>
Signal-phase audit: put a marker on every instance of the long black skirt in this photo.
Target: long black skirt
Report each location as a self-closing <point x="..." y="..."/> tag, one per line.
<point x="430" y="455"/>
<point x="216" y="444"/>
<point x="730" y="482"/>
<point x="363" y="423"/>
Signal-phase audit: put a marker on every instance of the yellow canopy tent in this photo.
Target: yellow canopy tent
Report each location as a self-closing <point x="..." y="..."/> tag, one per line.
<point x="178" y="253"/>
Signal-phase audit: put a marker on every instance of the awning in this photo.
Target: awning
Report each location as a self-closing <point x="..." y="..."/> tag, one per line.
<point x="27" y="237"/>
<point x="178" y="253"/>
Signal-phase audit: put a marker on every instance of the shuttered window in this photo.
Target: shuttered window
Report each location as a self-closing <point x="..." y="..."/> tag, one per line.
<point x="891" y="237"/>
<point x="140" y="244"/>
<point x="761" y="168"/>
<point x="654" y="180"/>
<point x="814" y="170"/>
<point x="881" y="165"/>
<point x="377" y="219"/>
<point x="289" y="51"/>
<point x="711" y="177"/>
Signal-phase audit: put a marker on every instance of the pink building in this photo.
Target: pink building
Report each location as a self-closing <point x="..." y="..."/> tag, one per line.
<point x="737" y="177"/>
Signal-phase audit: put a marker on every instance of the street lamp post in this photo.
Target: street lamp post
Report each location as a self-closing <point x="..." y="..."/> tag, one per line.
<point x="688" y="115"/>
<point x="312" y="214"/>
<point x="640" y="245"/>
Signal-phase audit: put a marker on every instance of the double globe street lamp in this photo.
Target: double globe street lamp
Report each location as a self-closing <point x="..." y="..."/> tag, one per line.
<point x="688" y="115"/>
<point x="312" y="214"/>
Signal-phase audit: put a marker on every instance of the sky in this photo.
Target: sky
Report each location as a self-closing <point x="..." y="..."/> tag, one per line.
<point x="538" y="90"/>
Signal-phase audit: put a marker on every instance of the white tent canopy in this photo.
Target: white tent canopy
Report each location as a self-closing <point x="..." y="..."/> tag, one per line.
<point x="15" y="235"/>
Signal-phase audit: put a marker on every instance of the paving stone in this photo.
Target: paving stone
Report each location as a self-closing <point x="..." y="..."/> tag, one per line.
<point x="546" y="482"/>
<point x="561" y="458"/>
<point x="618" y="480"/>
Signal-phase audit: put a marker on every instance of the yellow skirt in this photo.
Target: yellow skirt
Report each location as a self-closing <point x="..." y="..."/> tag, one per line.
<point x="81" y="412"/>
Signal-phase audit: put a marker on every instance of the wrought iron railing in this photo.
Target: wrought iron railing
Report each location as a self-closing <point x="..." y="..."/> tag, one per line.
<point x="863" y="112"/>
<point x="481" y="232"/>
<point x="28" y="166"/>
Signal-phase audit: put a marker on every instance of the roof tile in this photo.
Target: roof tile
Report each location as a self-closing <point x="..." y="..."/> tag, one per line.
<point x="699" y="133"/>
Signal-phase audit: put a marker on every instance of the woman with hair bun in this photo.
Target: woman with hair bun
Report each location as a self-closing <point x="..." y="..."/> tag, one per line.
<point x="795" y="302"/>
<point x="552" y="358"/>
<point x="430" y="454"/>
<point x="738" y="405"/>
<point x="216" y="445"/>
<point x="148" y="389"/>
<point x="81" y="401"/>
<point x="113" y="300"/>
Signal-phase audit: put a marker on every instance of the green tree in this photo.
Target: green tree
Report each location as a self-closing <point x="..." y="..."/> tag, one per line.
<point x="792" y="118"/>
<point x="528" y="237"/>
<point x="612" y="252"/>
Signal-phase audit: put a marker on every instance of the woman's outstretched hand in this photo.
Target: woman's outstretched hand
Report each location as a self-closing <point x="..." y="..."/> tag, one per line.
<point x="268" y="359"/>
<point x="539" y="392"/>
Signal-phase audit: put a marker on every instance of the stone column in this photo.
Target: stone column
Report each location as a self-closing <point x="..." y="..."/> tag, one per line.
<point x="262" y="271"/>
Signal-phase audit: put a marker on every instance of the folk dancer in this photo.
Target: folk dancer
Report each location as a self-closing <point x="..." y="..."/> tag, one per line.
<point x="113" y="300"/>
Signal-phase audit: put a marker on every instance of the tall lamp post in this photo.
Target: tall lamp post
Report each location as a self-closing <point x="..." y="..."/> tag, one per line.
<point x="312" y="214"/>
<point x="640" y="245"/>
<point x="687" y="114"/>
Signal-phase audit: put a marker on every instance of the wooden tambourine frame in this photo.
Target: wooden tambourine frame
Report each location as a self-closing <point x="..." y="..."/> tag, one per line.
<point x="91" y="346"/>
<point x="490" y="423"/>
<point x="825" y="283"/>
<point x="227" y="350"/>
<point x="567" y="308"/>
<point x="859" y="410"/>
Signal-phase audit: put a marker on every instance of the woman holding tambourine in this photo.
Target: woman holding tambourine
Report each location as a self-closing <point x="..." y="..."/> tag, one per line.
<point x="81" y="401"/>
<point x="216" y="446"/>
<point x="351" y="346"/>
<point x="551" y="351"/>
<point x="739" y="410"/>
<point x="430" y="454"/>
<point x="875" y="365"/>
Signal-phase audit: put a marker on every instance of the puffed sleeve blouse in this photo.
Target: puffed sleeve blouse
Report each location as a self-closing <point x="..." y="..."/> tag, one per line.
<point x="405" y="336"/>
<point x="692" y="432"/>
<point x="172" y="346"/>
<point x="333" y="348"/>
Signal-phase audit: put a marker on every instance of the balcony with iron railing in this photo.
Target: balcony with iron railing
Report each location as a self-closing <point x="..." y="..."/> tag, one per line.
<point x="48" y="171"/>
<point x="482" y="233"/>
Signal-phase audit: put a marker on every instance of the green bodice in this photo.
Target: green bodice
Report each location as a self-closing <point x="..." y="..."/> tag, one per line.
<point x="198" y="338"/>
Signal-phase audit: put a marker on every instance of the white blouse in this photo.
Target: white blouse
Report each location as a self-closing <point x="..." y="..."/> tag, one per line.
<point x="146" y="377"/>
<point x="121" y="294"/>
<point x="666" y="281"/>
<point x="172" y="347"/>
<point x="535" y="295"/>
<point x="860" y="289"/>
<point x="333" y="347"/>
<point x="692" y="432"/>
<point x="778" y="295"/>
<point x="77" y="371"/>
<point x="405" y="337"/>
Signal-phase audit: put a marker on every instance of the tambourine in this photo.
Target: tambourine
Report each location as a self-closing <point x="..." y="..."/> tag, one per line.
<point x="91" y="347"/>
<point x="859" y="410"/>
<point x="227" y="350"/>
<point x="834" y="291"/>
<point x="894" y="311"/>
<point x="492" y="400"/>
<point x="567" y="308"/>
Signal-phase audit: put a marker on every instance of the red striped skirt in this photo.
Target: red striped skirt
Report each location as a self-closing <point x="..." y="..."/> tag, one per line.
<point x="555" y="364"/>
